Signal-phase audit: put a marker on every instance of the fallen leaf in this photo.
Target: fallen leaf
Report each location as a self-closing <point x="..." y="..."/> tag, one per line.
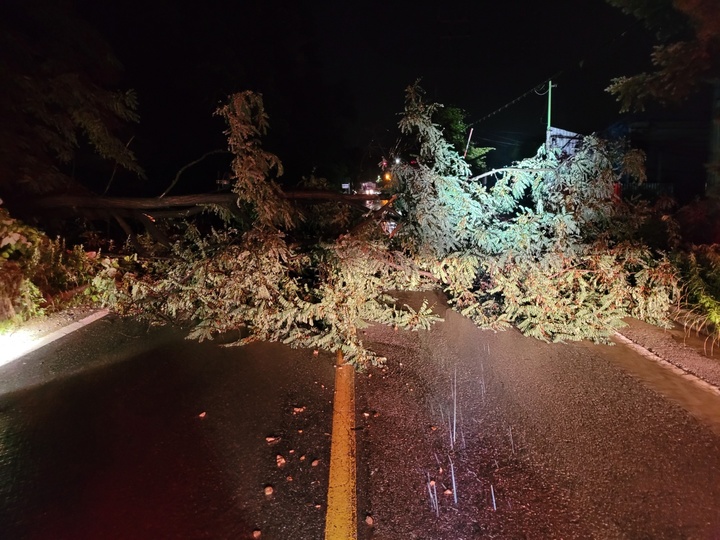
<point x="281" y="461"/>
<point x="201" y="415"/>
<point x="268" y="491"/>
<point x="272" y="440"/>
<point x="369" y="520"/>
<point x="298" y="410"/>
<point x="315" y="462"/>
<point x="257" y="533"/>
<point x="447" y="492"/>
<point x="302" y="458"/>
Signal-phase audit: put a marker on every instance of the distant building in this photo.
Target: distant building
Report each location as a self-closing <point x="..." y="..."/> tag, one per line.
<point x="566" y="142"/>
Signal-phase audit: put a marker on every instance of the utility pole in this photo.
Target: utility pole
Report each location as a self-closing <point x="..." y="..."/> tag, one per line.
<point x="550" y="86"/>
<point x="549" y="114"/>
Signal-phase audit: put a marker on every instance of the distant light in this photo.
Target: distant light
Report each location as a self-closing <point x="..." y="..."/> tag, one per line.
<point x="387" y="177"/>
<point x="397" y="160"/>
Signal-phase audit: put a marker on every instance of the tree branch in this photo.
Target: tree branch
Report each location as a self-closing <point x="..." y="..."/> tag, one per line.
<point x="186" y="167"/>
<point x="505" y="169"/>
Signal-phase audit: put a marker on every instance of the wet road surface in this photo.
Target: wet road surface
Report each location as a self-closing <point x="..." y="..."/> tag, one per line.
<point x="575" y="440"/>
<point x="117" y="432"/>
<point x="120" y="432"/>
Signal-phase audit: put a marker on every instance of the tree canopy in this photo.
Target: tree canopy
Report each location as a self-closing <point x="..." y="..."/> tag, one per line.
<point x="687" y="54"/>
<point x="62" y="111"/>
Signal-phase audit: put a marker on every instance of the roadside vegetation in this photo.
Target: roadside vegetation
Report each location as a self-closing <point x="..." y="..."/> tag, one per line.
<point x="39" y="275"/>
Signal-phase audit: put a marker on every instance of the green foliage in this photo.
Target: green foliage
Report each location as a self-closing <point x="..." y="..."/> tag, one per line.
<point x="256" y="284"/>
<point x="252" y="166"/>
<point x="34" y="270"/>
<point x="545" y="248"/>
<point x="700" y="269"/>
<point x="432" y="195"/>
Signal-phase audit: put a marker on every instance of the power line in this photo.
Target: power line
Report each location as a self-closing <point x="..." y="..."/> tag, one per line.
<point x="514" y="101"/>
<point x="540" y="85"/>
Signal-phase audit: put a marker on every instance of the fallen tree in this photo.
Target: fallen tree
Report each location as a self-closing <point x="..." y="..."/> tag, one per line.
<point x="545" y="247"/>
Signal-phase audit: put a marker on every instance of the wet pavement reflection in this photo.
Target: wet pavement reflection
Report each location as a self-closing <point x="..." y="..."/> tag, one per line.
<point x="165" y="439"/>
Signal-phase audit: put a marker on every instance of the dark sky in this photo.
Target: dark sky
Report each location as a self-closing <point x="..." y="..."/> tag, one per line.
<point x="333" y="74"/>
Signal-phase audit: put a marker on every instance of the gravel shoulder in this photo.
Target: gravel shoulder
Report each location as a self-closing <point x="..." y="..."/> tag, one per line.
<point x="692" y="352"/>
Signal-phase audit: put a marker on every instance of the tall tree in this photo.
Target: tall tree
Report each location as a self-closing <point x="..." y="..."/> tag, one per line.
<point x="686" y="57"/>
<point x="687" y="54"/>
<point x="59" y="96"/>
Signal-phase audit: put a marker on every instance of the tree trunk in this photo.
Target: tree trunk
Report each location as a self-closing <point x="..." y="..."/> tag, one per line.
<point x="181" y="201"/>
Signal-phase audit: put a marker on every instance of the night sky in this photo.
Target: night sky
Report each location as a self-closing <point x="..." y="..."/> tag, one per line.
<point x="333" y="75"/>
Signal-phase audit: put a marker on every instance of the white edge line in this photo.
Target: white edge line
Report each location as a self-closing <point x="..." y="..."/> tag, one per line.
<point x="65" y="330"/>
<point x="668" y="365"/>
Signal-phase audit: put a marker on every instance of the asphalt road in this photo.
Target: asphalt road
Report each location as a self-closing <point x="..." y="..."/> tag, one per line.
<point x="120" y="432"/>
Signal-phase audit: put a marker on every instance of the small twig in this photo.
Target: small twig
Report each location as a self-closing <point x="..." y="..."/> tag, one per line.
<point x="430" y="496"/>
<point x="482" y="380"/>
<point x="432" y="493"/>
<point x="112" y="176"/>
<point x="452" y="474"/>
<point x="492" y="493"/>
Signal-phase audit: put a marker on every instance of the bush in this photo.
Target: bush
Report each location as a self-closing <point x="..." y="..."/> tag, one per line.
<point x="35" y="270"/>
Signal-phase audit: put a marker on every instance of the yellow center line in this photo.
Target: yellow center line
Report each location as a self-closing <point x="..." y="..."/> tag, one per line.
<point x="341" y="517"/>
